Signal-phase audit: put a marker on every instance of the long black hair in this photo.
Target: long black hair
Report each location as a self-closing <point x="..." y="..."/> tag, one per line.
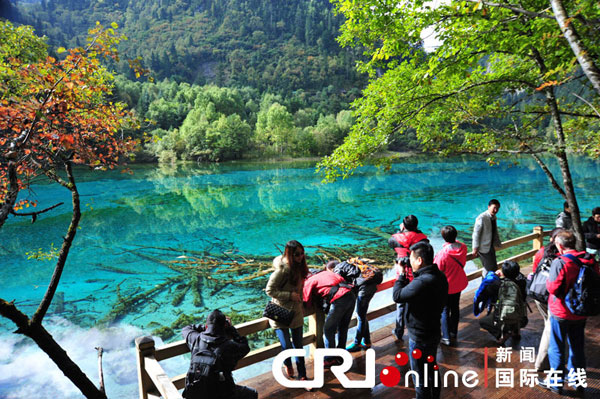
<point x="299" y="268"/>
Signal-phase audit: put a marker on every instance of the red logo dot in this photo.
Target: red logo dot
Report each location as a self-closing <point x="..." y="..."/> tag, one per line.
<point x="430" y="359"/>
<point x="416" y="354"/>
<point x="389" y="376"/>
<point x="436" y="367"/>
<point x="401" y="359"/>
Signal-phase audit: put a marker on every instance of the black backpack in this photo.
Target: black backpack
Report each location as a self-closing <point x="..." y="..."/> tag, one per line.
<point x="583" y="299"/>
<point x="205" y="377"/>
<point x="537" y="285"/>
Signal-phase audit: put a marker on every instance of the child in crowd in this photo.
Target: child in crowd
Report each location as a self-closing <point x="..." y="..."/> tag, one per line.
<point x="507" y="293"/>
<point x="451" y="260"/>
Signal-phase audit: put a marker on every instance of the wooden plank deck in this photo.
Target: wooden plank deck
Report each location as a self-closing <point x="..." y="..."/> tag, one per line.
<point x="467" y="355"/>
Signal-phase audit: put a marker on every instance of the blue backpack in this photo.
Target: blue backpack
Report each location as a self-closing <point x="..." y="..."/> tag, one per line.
<point x="583" y="299"/>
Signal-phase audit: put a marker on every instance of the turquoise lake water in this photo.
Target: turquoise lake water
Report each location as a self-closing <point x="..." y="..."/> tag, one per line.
<point x="133" y="225"/>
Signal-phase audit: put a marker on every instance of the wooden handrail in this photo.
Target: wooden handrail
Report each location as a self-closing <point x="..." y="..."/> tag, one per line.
<point x="154" y="383"/>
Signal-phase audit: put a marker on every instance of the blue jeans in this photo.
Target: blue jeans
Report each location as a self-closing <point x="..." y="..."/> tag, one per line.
<point x="450" y="316"/>
<point x="284" y="339"/>
<point x="427" y="348"/>
<point x="337" y="320"/>
<point x="365" y="294"/>
<point x="573" y="333"/>
<point x="400" y="316"/>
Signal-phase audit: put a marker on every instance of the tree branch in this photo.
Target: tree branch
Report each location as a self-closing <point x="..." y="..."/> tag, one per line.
<point x="64" y="250"/>
<point x="561" y="112"/>
<point x="445" y="96"/>
<point x="34" y="214"/>
<point x="515" y="9"/>
<point x="588" y="103"/>
<point x="579" y="49"/>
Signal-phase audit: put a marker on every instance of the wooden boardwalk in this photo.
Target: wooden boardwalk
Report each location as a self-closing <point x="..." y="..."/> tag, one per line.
<point x="469" y="354"/>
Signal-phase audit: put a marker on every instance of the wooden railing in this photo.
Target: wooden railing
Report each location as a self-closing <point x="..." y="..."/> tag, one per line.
<point x="154" y="382"/>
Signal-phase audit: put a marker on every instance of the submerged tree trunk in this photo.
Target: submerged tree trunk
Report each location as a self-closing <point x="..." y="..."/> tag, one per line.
<point x="570" y="33"/>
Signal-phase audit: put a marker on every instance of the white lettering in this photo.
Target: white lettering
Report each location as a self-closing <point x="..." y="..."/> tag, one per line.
<point x="468" y="376"/>
<point x="455" y="374"/>
<point x="415" y="377"/>
<point x="319" y="380"/>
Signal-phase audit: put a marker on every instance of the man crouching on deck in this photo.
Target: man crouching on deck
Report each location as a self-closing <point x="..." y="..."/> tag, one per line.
<point x="425" y="297"/>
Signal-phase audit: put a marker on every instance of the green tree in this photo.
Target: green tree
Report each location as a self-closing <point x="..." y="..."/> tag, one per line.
<point x="496" y="79"/>
<point x="228" y="138"/>
<point x="275" y="126"/>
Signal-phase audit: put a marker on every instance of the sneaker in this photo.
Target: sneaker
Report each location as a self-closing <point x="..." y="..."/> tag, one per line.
<point x="289" y="371"/>
<point x="445" y="341"/>
<point x="365" y="345"/>
<point x="551" y="387"/>
<point x="354" y="347"/>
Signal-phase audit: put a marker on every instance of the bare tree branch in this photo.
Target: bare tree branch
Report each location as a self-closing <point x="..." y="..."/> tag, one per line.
<point x="34" y="214"/>
<point x="588" y="103"/>
<point x="64" y="250"/>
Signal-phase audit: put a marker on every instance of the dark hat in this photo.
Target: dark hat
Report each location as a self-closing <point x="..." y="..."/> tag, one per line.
<point x="216" y="319"/>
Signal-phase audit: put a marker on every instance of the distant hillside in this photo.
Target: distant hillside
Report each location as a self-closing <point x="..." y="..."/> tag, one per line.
<point x="276" y="46"/>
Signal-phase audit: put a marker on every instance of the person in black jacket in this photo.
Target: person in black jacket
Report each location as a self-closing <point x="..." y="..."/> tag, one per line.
<point x="425" y="297"/>
<point x="591" y="231"/>
<point x="216" y="348"/>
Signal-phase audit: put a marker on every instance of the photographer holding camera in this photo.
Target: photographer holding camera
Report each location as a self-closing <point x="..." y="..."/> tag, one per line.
<point x="216" y="348"/>
<point x="401" y="242"/>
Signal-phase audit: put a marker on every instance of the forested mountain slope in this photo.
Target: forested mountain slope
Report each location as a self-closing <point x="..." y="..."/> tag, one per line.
<point x="269" y="45"/>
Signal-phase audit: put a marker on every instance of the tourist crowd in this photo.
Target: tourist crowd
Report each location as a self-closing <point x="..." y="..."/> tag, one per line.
<point x="427" y="292"/>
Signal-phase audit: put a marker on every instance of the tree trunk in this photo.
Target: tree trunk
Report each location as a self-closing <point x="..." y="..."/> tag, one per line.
<point x="46" y="343"/>
<point x="561" y="154"/>
<point x="570" y="33"/>
<point x="64" y="250"/>
<point x="11" y="195"/>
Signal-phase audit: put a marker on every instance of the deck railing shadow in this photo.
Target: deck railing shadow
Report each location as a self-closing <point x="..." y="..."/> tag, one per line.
<point x="155" y="383"/>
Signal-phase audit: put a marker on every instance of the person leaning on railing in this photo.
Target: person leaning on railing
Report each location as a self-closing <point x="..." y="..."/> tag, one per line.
<point x="285" y="288"/>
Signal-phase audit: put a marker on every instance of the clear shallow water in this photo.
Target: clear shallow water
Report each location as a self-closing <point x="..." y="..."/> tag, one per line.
<point x="249" y="209"/>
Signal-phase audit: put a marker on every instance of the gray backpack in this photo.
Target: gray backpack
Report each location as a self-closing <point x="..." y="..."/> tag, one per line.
<point x="511" y="308"/>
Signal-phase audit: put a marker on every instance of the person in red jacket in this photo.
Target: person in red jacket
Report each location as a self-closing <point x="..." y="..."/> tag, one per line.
<point x="564" y="325"/>
<point x="451" y="260"/>
<point x="545" y="255"/>
<point x="333" y="289"/>
<point x="401" y="242"/>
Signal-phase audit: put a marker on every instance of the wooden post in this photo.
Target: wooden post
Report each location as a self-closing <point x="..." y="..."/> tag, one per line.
<point x="316" y="321"/>
<point x="144" y="347"/>
<point x="538" y="242"/>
